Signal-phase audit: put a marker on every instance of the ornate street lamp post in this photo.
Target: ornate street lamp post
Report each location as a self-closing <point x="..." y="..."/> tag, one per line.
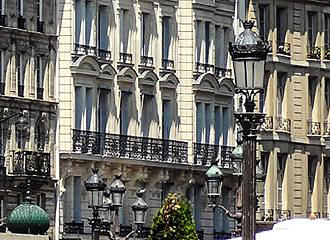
<point x="249" y="54"/>
<point x="98" y="189"/>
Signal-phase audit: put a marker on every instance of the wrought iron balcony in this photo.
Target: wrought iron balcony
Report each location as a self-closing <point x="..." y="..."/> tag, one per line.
<point x="327" y="128"/>
<point x="283" y="48"/>
<point x="124" y="146"/>
<point x="144" y="232"/>
<point x="313" y="128"/>
<point x="313" y="52"/>
<point x="204" y="67"/>
<point x="283" y="214"/>
<point x="31" y="163"/>
<point x="82" y="49"/>
<point x="168" y="64"/>
<point x="222" y="72"/>
<point x="327" y="53"/>
<point x="21" y="22"/>
<point x="325" y="215"/>
<point x="104" y="55"/>
<point x="40" y="93"/>
<point x="268" y="124"/>
<point x="126" y="58"/>
<point x="221" y="235"/>
<point x="124" y="230"/>
<point x="266" y="214"/>
<point x="317" y="214"/>
<point x="40" y="26"/>
<point x="3" y="20"/>
<point x="204" y="154"/>
<point x="73" y="228"/>
<point x="2" y="88"/>
<point x="283" y="124"/>
<point x="20" y="90"/>
<point x="2" y="161"/>
<point x="147" y="61"/>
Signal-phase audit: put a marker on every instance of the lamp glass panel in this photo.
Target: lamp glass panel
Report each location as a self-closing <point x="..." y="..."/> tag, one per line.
<point x="214" y="188"/>
<point x="139" y="216"/>
<point x="117" y="199"/>
<point x="96" y="198"/>
<point x="249" y="73"/>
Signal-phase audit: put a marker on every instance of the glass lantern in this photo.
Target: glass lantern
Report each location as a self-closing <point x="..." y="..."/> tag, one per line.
<point x="117" y="190"/>
<point x="214" y="178"/>
<point x="95" y="186"/>
<point x="139" y="208"/>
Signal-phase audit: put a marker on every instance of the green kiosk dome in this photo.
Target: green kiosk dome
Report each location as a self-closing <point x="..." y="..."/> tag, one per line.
<point x="29" y="219"/>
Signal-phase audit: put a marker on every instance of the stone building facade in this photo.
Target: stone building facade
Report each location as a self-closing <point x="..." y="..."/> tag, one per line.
<point x="145" y="92"/>
<point x="293" y="147"/>
<point x="27" y="89"/>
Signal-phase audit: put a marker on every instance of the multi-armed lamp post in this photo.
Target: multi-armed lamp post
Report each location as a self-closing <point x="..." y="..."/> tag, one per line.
<point x="249" y="54"/>
<point x="115" y="192"/>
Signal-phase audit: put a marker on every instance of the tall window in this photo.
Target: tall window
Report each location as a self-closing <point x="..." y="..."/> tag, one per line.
<point x="326" y="186"/>
<point x="217" y="124"/>
<point x="78" y="21"/>
<point x="41" y="200"/>
<point x="166" y="36"/>
<point x="225" y="125"/>
<point x="89" y="23"/>
<point x="263" y="94"/>
<point x="2" y="207"/>
<point x="124" y="30"/>
<point x="20" y="74"/>
<point x="326" y="31"/>
<point x="20" y="7"/>
<point x="39" y="10"/>
<point x="39" y="76"/>
<point x="281" y="165"/>
<point x="104" y="109"/>
<point x="312" y="28"/>
<point x="327" y="92"/>
<point x="146" y="120"/>
<point x="2" y="75"/>
<point x="166" y="119"/>
<point x="144" y="34"/>
<point x="281" y="24"/>
<point x="217" y="45"/>
<point x="77" y="199"/>
<point x="224" y="47"/>
<point x="261" y="185"/>
<point x="89" y="108"/>
<point x="198" y="47"/>
<point x="200" y="110"/>
<point x="312" y="84"/>
<point x="2" y="7"/>
<point x="103" y="28"/>
<point x="79" y="91"/>
<point x="125" y="104"/>
<point x="312" y="163"/>
<point x="281" y="82"/>
<point x="207" y="41"/>
<point x="264" y="22"/>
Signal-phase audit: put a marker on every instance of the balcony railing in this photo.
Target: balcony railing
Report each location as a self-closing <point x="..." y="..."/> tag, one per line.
<point x="204" y="154"/>
<point x="3" y="20"/>
<point x="325" y="215"/>
<point x="283" y="214"/>
<point x="31" y="163"/>
<point x="124" y="230"/>
<point x="20" y="90"/>
<point x="222" y="72"/>
<point x="144" y="232"/>
<point x="283" y="48"/>
<point x="204" y="67"/>
<point x="283" y="124"/>
<point x="2" y="88"/>
<point x="40" y="26"/>
<point x="317" y="214"/>
<point x="268" y="123"/>
<point x="327" y="128"/>
<point x="84" y="49"/>
<point x="73" y="228"/>
<point x="313" y="52"/>
<point x="21" y="22"/>
<point x="104" y="55"/>
<point x="2" y="161"/>
<point x="40" y="93"/>
<point x="168" y="64"/>
<point x="126" y="58"/>
<point x="221" y="235"/>
<point x="266" y="214"/>
<point x="313" y="128"/>
<point x="327" y="53"/>
<point x="147" y="61"/>
<point x="123" y="146"/>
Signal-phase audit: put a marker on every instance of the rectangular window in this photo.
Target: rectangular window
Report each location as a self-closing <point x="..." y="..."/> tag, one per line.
<point x="224" y="48"/>
<point x="103" y="28"/>
<point x="263" y="94"/>
<point x="2" y="207"/>
<point x="2" y="80"/>
<point x="312" y="28"/>
<point x="207" y="41"/>
<point x="208" y="122"/>
<point x="78" y="107"/>
<point x="144" y="34"/>
<point x="104" y="109"/>
<point x="281" y="24"/>
<point x="20" y="74"/>
<point x="281" y="165"/>
<point x="166" y="119"/>
<point x="2" y="7"/>
<point x="125" y="103"/>
<point x="20" y="7"/>
<point x="89" y="108"/>
<point x="199" y="121"/>
<point x="264" y="22"/>
<point x="281" y="82"/>
<point x="39" y="72"/>
<point x="78" y="21"/>
<point x="217" y="45"/>
<point x="146" y="118"/>
<point x="312" y="83"/>
<point x="217" y="124"/>
<point x="327" y="91"/>
<point x="326" y="31"/>
<point x="198" y="47"/>
<point x="166" y="37"/>
<point x="261" y="185"/>
<point x="124" y="30"/>
<point x="312" y="162"/>
<point x="89" y="22"/>
<point x="77" y="199"/>
<point x="41" y="200"/>
<point x="198" y="207"/>
<point x="39" y="10"/>
<point x="225" y="125"/>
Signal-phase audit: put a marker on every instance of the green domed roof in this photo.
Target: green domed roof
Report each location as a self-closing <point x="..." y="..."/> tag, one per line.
<point x="28" y="218"/>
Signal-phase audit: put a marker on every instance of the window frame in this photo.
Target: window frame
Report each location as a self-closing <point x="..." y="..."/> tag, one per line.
<point x="39" y="4"/>
<point x="20" y="8"/>
<point x="39" y="72"/>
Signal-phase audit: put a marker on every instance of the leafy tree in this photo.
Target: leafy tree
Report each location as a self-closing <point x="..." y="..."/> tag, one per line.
<point x="174" y="220"/>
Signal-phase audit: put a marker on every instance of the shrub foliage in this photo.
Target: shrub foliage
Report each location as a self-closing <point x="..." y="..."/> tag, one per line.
<point x="174" y="220"/>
